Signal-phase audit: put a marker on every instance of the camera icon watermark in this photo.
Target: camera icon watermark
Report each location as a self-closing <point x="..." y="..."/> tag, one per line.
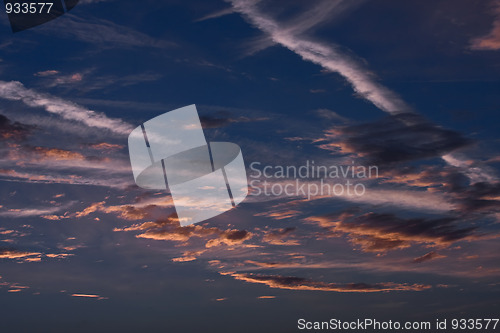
<point x="204" y="179"/>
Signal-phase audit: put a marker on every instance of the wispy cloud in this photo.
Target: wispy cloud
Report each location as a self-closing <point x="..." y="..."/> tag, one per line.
<point x="16" y="254"/>
<point x="102" y="32"/>
<point x="328" y="56"/>
<point x="374" y="232"/>
<point x="98" y="297"/>
<point x="10" y="130"/>
<point x="30" y="256"/>
<point x="221" y="121"/>
<point x="85" y="81"/>
<point x="16" y="91"/>
<point x="297" y="283"/>
<point x="33" y="211"/>
<point x="490" y="41"/>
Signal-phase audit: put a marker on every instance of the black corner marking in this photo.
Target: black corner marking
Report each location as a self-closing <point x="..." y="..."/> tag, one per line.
<point x="26" y="14"/>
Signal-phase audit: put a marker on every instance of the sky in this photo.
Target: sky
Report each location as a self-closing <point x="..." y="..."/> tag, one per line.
<point x="410" y="88"/>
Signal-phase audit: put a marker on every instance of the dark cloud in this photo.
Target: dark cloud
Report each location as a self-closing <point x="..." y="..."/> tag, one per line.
<point x="297" y="283"/>
<point x="375" y="232"/>
<point x="13" y="130"/>
<point x="426" y="257"/>
<point x="480" y="197"/>
<point x="397" y="138"/>
<point x="230" y="238"/>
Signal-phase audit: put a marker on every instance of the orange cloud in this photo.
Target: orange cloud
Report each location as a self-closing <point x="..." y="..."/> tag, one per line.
<point x="490" y="41"/>
<point x="280" y="215"/>
<point x="230" y="238"/>
<point x="47" y="73"/>
<point x="278" y="237"/>
<point x="189" y="256"/>
<point x="427" y="257"/>
<point x="375" y="232"/>
<point x="296" y="283"/>
<point x="57" y="154"/>
<point x="169" y="229"/>
<point x="90" y="209"/>
<point x="98" y="297"/>
<point x="106" y="146"/>
<point x="15" y="254"/>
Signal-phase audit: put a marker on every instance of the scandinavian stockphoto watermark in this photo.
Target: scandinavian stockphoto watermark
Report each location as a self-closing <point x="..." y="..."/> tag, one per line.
<point x="310" y="180"/>
<point x="204" y="179"/>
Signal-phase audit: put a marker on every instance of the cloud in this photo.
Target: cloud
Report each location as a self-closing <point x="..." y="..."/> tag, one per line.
<point x="398" y="138"/>
<point x="280" y="214"/>
<point x="13" y="130"/>
<point x="464" y="185"/>
<point x="50" y="72"/>
<point x="278" y="237"/>
<point x="16" y="254"/>
<point x="297" y="283"/>
<point x="375" y="232"/>
<point x="169" y="229"/>
<point x="400" y="198"/>
<point x="490" y="41"/>
<point x="480" y="197"/>
<point x="105" y="146"/>
<point x="84" y="82"/>
<point x="189" y="256"/>
<point x="35" y="176"/>
<point x="56" y="154"/>
<point x="125" y="212"/>
<point x="102" y="32"/>
<point x="293" y="36"/>
<point x="35" y="211"/>
<point x="217" y="14"/>
<point x="13" y="287"/>
<point x="429" y="177"/>
<point x="331" y="115"/>
<point x="427" y="257"/>
<point x="90" y="209"/>
<point x="471" y="190"/>
<point x="15" y="91"/>
<point x="139" y="210"/>
<point x="37" y="158"/>
<point x="328" y="56"/>
<point x="98" y="297"/>
<point x="230" y="238"/>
